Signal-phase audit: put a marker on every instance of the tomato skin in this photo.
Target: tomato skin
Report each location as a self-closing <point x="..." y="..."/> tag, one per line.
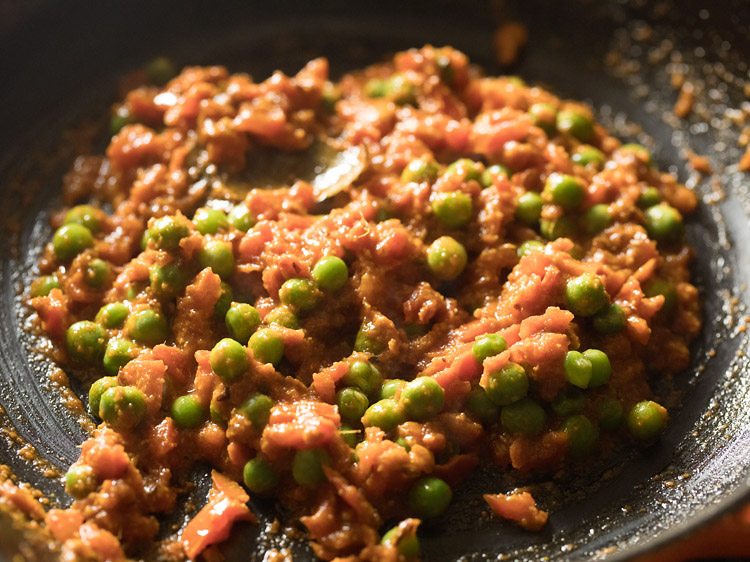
<point x="213" y="523"/>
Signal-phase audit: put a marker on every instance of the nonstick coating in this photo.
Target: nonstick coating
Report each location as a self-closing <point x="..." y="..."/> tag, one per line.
<point x="60" y="62"/>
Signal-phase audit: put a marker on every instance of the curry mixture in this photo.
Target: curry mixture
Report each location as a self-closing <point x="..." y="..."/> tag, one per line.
<point x="348" y="295"/>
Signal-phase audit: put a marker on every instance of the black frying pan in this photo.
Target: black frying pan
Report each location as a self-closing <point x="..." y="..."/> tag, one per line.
<point x="60" y="61"/>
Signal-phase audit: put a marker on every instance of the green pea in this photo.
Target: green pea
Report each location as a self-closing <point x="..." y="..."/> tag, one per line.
<point x="160" y="70"/>
<point x="145" y="239"/>
<point x="80" y="481"/>
<point x="578" y="369"/>
<point x="299" y="294"/>
<point x="97" y="273"/>
<point x="133" y="289"/>
<point x="575" y="124"/>
<point x="528" y="247"/>
<point x="282" y="316"/>
<point x="99" y="387"/>
<point x="640" y="151"/>
<point x="525" y="417"/>
<point x="529" y="208"/>
<point x="391" y="388"/>
<point x="487" y="346"/>
<point x="582" y="435"/>
<point x="445" y="69"/>
<point x="467" y="169"/>
<point x="226" y="296"/>
<point x="646" y="420"/>
<point x="422" y="399"/>
<point x="119" y="119"/>
<point x="147" y="327"/>
<point x="585" y="295"/>
<point x="217" y="255"/>
<point x="42" y="286"/>
<point x="561" y="227"/>
<point x="446" y="258"/>
<point x="267" y="346"/>
<point x="330" y="96"/>
<point x="507" y="385"/>
<point x="307" y="467"/>
<point x="587" y="154"/>
<point x="570" y="401"/>
<point x="369" y="339"/>
<point x="403" y="443"/>
<point x="429" y="497"/>
<point x="420" y="170"/>
<point x="384" y="213"/>
<point x="544" y="116"/>
<point x="85" y="342"/>
<point x="376" y="88"/>
<point x="330" y="273"/>
<point x="242" y="320"/>
<point x="386" y="414"/>
<point x="407" y="544"/>
<point x="70" y="240"/>
<point x="601" y="369"/>
<point x="352" y="404"/>
<point x="610" y="320"/>
<point x="610" y="414"/>
<point x="401" y="90"/>
<point x="166" y="232"/>
<point x="168" y="280"/>
<point x="229" y="360"/>
<point x="364" y="376"/>
<point x="219" y="410"/>
<point x="350" y="435"/>
<point x="664" y="223"/>
<point x="453" y="209"/>
<point x="494" y="171"/>
<point x="649" y="197"/>
<point x="241" y="218"/>
<point x="257" y="409"/>
<point x="122" y="407"/>
<point x="576" y="252"/>
<point x="187" y="411"/>
<point x="597" y="218"/>
<point x="481" y="407"/>
<point x="414" y="331"/>
<point x="259" y="476"/>
<point x="564" y="190"/>
<point x="112" y="315"/>
<point x="210" y="221"/>
<point x="119" y="352"/>
<point x="86" y="215"/>
<point x="665" y="288"/>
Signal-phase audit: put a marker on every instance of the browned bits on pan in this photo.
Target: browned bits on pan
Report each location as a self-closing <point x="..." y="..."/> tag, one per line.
<point x="677" y="79"/>
<point x="684" y="105"/>
<point x="508" y="41"/>
<point x="700" y="164"/>
<point x="744" y="163"/>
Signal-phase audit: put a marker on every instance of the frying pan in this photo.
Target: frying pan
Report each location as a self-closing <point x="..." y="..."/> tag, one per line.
<point x="60" y="62"/>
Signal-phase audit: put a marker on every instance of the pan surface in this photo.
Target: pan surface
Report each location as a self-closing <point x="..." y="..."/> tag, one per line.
<point x="619" y="56"/>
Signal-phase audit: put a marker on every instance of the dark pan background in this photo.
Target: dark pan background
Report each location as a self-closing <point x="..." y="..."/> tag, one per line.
<point x="59" y="62"/>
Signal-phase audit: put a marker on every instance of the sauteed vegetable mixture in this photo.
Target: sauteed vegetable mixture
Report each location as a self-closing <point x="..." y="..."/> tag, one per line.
<point x="348" y="295"/>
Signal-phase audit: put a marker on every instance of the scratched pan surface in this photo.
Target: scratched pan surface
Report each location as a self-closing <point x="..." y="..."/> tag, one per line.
<point x="60" y="62"/>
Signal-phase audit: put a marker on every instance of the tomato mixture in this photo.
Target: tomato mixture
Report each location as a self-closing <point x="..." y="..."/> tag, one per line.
<point x="348" y="295"/>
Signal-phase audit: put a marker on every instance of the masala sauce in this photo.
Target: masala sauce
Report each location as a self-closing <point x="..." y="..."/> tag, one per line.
<point x="469" y="271"/>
